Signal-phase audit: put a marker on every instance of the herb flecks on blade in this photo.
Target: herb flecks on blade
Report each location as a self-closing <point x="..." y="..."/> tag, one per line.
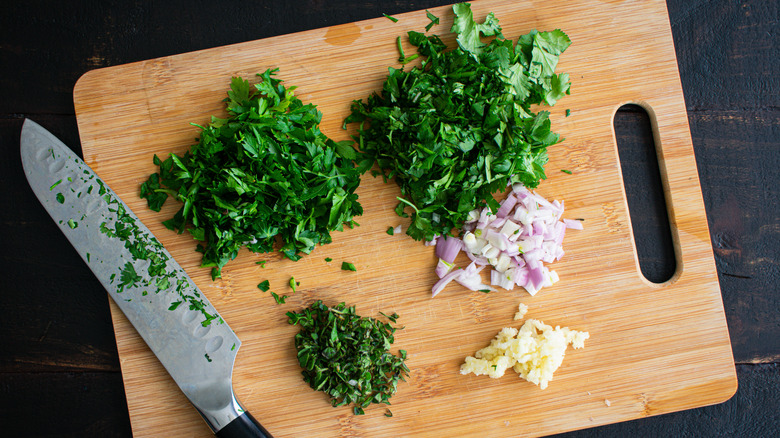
<point x="264" y="173"/>
<point x="144" y="267"/>
<point x="347" y="356"/>
<point x="460" y="127"/>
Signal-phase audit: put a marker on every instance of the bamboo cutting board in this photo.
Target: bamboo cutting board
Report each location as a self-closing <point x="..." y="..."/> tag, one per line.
<point x="653" y="348"/>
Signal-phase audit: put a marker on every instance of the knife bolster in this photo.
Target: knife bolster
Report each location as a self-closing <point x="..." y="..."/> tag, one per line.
<point x="243" y="426"/>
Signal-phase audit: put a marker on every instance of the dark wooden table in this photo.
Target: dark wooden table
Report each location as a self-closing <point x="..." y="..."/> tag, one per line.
<point x="59" y="370"/>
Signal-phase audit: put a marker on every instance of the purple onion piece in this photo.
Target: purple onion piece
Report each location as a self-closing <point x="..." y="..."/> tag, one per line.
<point x="506" y="206"/>
<point x="448" y="247"/>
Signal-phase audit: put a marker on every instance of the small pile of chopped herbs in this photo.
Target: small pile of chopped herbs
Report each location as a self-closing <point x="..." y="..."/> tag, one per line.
<point x="265" y="172"/>
<point x="460" y="127"/>
<point x="347" y="356"/>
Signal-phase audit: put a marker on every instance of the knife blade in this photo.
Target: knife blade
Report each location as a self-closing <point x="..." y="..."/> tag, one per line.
<point x="182" y="328"/>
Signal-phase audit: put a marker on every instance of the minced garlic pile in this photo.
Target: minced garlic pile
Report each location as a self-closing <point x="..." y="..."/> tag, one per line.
<point x="535" y="352"/>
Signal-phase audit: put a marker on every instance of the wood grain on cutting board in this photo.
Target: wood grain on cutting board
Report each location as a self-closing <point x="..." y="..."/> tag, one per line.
<point x="654" y="348"/>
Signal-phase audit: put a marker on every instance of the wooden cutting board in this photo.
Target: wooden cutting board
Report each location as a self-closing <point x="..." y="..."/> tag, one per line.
<point x="653" y="349"/>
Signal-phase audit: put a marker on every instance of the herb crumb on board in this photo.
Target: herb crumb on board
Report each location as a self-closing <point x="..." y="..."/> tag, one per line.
<point x="391" y="18"/>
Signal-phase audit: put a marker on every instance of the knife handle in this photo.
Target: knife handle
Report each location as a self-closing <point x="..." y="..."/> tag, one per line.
<point x="243" y="426"/>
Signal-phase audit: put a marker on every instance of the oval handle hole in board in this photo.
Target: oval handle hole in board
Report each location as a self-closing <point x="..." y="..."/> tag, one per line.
<point x="644" y="186"/>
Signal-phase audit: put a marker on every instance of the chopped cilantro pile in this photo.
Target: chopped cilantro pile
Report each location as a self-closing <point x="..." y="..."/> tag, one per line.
<point x="460" y="127"/>
<point x="265" y="172"/>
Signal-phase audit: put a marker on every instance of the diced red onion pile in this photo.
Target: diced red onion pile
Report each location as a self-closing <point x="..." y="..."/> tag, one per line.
<point x="526" y="231"/>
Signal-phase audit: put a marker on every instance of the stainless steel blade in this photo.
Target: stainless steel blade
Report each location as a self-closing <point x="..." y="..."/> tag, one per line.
<point x="175" y="319"/>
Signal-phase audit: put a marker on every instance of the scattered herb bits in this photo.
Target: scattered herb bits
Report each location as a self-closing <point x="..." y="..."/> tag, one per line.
<point x="346" y="266"/>
<point x="264" y="285"/>
<point x="347" y="356"/>
<point x="460" y="126"/>
<point x="265" y="172"/>
<point x="279" y="298"/>
<point x="391" y="18"/>
<point x="434" y="21"/>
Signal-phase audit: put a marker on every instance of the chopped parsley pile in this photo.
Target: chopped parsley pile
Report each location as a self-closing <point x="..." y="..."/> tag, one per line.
<point x="347" y="356"/>
<point x="460" y="127"/>
<point x="265" y="172"/>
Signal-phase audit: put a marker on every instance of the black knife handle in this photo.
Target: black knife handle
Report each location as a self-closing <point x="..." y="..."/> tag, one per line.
<point x="244" y="426"/>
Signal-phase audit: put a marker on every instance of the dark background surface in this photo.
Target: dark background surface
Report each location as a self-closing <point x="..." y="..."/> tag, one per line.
<point x="59" y="370"/>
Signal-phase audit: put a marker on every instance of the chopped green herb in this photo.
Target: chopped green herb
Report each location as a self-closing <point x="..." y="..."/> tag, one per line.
<point x="393" y="19"/>
<point x="232" y="348"/>
<point x="388" y="413"/>
<point x="55" y="184"/>
<point x="390" y="231"/>
<point x="328" y="259"/>
<point x="434" y="20"/>
<point x="566" y="171"/>
<point x="346" y="266"/>
<point x="261" y="263"/>
<point x="293" y="283"/>
<point x="409" y="58"/>
<point x="174" y="305"/>
<point x="279" y="299"/>
<point x="347" y="356"/>
<point x="460" y="127"/>
<point x="60" y="198"/>
<point x="72" y="224"/>
<point x="568" y="112"/>
<point x="264" y="285"/>
<point x="392" y="317"/>
<point x="402" y="58"/>
<point x="264" y="173"/>
<point x="207" y="357"/>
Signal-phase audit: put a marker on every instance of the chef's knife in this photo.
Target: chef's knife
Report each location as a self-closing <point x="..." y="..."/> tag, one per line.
<point x="185" y="332"/>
